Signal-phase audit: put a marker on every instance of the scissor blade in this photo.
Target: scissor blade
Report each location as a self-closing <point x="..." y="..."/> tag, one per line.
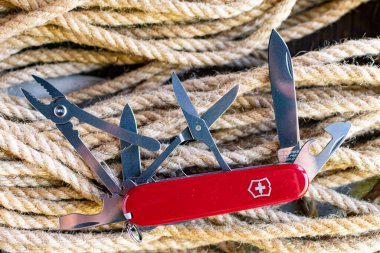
<point x="198" y="126"/>
<point x="182" y="97"/>
<point x="53" y="92"/>
<point x="130" y="154"/>
<point x="283" y="92"/>
<point x="220" y="106"/>
<point x="41" y="107"/>
<point x="209" y="117"/>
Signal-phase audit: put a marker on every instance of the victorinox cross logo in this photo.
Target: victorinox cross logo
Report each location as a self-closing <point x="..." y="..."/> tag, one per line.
<point x="260" y="188"/>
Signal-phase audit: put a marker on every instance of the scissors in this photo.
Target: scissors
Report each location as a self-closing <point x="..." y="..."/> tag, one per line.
<point x="198" y="127"/>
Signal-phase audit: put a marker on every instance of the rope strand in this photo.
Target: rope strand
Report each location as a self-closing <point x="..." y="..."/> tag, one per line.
<point x="42" y="177"/>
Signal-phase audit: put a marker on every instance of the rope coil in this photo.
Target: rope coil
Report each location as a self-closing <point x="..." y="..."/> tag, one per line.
<point x="42" y="177"/>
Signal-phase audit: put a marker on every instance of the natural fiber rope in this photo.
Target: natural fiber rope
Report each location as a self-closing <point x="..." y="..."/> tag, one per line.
<point x="42" y="177"/>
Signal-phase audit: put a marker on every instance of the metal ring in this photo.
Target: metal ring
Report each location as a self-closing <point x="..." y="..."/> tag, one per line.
<point x="134" y="232"/>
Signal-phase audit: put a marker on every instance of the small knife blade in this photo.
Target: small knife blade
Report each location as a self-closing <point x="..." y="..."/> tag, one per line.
<point x="284" y="97"/>
<point x="130" y="154"/>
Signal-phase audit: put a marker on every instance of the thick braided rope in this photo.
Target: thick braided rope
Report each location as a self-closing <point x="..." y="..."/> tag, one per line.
<point x="41" y="176"/>
<point x="319" y="17"/>
<point x="214" y="234"/>
<point x="46" y="70"/>
<point x="200" y="10"/>
<point x="22" y="181"/>
<point x="70" y="21"/>
<point x="116" y="41"/>
<point x="40" y="16"/>
<point x="79" y="183"/>
<point x="197" y="30"/>
<point x="253" y="38"/>
<point x="64" y="55"/>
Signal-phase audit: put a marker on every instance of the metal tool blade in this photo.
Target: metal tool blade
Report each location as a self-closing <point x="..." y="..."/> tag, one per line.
<point x="99" y="168"/>
<point x="53" y="92"/>
<point x="184" y="136"/>
<point x="111" y="213"/>
<point x="73" y="110"/>
<point x="200" y="131"/>
<point x="65" y="84"/>
<point x="214" y="112"/>
<point x="182" y="97"/>
<point x="41" y="107"/>
<point x="284" y="95"/>
<point x="128" y="136"/>
<point x="313" y="163"/>
<point x="210" y="116"/>
<point x="130" y="154"/>
<point x="220" y="106"/>
<point x="198" y="126"/>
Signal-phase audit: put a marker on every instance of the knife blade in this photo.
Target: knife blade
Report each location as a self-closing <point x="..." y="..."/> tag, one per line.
<point x="284" y="97"/>
<point x="130" y="154"/>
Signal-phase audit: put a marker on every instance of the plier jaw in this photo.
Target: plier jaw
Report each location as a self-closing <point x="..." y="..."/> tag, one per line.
<point x="58" y="110"/>
<point x="61" y="110"/>
<point x="43" y="108"/>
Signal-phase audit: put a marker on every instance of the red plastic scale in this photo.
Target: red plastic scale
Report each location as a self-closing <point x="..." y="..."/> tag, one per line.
<point x="199" y="196"/>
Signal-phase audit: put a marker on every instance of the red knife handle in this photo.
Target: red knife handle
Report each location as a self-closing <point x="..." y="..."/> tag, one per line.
<point x="199" y="196"/>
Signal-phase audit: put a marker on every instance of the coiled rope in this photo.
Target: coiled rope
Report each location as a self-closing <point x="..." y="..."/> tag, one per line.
<point x="42" y="177"/>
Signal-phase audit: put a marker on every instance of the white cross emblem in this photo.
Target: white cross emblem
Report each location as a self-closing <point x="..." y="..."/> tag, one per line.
<point x="260" y="187"/>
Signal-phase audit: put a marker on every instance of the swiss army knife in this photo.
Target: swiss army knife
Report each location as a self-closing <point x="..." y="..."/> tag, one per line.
<point x="143" y="203"/>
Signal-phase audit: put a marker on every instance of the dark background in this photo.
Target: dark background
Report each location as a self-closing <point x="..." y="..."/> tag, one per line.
<point x="361" y="22"/>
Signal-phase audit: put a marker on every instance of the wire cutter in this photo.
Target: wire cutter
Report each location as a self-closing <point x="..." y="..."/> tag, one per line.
<point x="61" y="110"/>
